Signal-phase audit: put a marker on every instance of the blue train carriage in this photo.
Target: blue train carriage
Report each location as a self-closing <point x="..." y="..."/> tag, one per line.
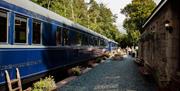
<point x="112" y="45"/>
<point x="37" y="40"/>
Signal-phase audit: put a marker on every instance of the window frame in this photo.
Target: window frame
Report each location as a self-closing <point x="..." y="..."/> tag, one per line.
<point x="41" y="26"/>
<point x="27" y="28"/>
<point x="7" y="28"/>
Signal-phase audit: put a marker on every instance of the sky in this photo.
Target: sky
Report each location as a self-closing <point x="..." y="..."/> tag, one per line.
<point x="116" y="6"/>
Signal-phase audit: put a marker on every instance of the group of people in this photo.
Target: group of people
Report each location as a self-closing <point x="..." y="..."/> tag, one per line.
<point x="132" y="51"/>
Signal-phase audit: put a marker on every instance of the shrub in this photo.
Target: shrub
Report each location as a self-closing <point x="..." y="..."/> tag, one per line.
<point x="107" y="54"/>
<point x="46" y="84"/>
<point x="76" y="71"/>
<point x="117" y="55"/>
<point x="98" y="60"/>
<point x="104" y="58"/>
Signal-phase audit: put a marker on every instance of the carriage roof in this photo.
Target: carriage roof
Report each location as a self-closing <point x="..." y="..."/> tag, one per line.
<point x="29" y="5"/>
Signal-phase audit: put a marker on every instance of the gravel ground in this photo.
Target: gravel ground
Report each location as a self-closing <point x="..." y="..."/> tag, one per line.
<point x="111" y="76"/>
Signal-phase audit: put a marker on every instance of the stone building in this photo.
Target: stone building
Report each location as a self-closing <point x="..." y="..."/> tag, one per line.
<point x="159" y="43"/>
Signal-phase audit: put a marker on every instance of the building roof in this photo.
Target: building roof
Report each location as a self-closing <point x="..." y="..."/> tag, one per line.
<point x="155" y="11"/>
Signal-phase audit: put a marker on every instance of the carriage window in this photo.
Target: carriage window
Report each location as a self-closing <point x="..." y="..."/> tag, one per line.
<point x="79" y="38"/>
<point x="95" y="41"/>
<point x="98" y="42"/>
<point x="75" y="38"/>
<point x="58" y="36"/>
<point x="20" y="29"/>
<point x="36" y="32"/>
<point x="102" y="43"/>
<point x="91" y="42"/>
<point x="66" y="37"/>
<point x="3" y="26"/>
<point x="84" y="39"/>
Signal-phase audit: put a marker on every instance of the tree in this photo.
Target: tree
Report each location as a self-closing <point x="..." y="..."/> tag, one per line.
<point x="95" y="16"/>
<point x="60" y="7"/>
<point x="136" y="14"/>
<point x="44" y="3"/>
<point x="102" y="20"/>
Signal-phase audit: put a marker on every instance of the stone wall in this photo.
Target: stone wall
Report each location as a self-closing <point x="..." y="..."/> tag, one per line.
<point x="161" y="51"/>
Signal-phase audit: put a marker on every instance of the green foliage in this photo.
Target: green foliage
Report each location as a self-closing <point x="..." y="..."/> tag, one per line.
<point x="46" y="84"/>
<point x="101" y="20"/>
<point x="45" y="3"/>
<point x="76" y="71"/>
<point x="98" y="60"/>
<point x="95" y="16"/>
<point x="136" y="14"/>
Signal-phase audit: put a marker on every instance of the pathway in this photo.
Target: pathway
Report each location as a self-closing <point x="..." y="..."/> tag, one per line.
<point x="111" y="76"/>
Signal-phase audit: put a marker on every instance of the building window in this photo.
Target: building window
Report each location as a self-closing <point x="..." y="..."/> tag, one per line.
<point x="36" y="32"/>
<point x="58" y="36"/>
<point x="20" y="29"/>
<point x="3" y="26"/>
